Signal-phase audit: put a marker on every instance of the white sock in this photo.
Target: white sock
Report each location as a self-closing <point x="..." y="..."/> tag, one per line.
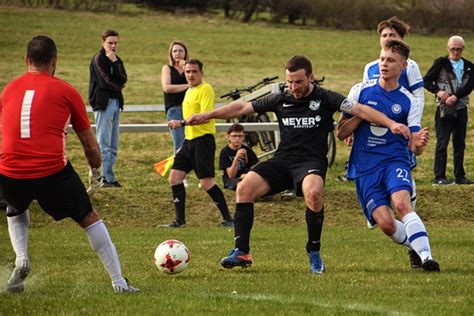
<point x="417" y="235"/>
<point x="400" y="236"/>
<point x="102" y="244"/>
<point x="18" y="231"/>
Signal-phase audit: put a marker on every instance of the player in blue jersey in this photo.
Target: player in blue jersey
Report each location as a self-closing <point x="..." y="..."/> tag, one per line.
<point x="305" y="117"/>
<point x="410" y="78"/>
<point x="379" y="160"/>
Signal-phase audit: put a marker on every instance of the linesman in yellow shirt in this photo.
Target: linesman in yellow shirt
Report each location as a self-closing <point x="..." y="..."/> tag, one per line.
<point x="198" y="150"/>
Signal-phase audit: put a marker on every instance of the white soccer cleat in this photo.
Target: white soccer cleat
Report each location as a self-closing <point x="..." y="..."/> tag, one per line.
<point x="127" y="289"/>
<point x="16" y="282"/>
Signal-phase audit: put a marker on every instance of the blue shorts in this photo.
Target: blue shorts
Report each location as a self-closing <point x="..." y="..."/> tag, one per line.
<point x="376" y="189"/>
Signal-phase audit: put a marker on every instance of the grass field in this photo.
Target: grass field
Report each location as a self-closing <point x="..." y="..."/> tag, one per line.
<point x="367" y="274"/>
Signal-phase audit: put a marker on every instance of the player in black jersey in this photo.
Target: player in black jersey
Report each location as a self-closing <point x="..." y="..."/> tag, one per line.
<point x="305" y="117"/>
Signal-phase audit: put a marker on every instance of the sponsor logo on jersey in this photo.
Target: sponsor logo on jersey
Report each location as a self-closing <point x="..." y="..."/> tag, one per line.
<point x="314" y="104"/>
<point x="313" y="170"/>
<point x="287" y="105"/>
<point x="372" y="102"/>
<point x="396" y="108"/>
<point x="378" y="130"/>
<point x="301" y="122"/>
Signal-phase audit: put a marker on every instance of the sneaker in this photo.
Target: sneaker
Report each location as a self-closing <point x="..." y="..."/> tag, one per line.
<point x="442" y="181"/>
<point x="463" y="181"/>
<point x="415" y="260"/>
<point x="237" y="258"/>
<point x="16" y="282"/>
<point x="429" y="265"/>
<point x="114" y="184"/>
<point x="173" y="224"/>
<point x="225" y="223"/>
<point x="128" y="289"/>
<point x="316" y="263"/>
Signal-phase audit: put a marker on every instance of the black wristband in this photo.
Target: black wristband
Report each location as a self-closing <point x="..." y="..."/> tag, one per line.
<point x="182" y="122"/>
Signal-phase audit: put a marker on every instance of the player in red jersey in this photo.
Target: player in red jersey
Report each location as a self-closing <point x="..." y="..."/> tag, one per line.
<point x="35" y="111"/>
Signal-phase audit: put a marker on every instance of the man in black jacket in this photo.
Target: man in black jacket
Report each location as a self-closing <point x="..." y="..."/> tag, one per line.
<point x="107" y="79"/>
<point x="450" y="78"/>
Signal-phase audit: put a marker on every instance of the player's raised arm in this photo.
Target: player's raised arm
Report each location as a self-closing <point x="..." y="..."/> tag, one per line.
<point x="234" y="109"/>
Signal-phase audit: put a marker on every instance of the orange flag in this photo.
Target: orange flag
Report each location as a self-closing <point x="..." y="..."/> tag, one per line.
<point x="164" y="166"/>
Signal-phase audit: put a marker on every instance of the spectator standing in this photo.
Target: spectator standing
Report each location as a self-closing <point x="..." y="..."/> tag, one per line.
<point x="174" y="84"/>
<point x="235" y="158"/>
<point x="450" y="79"/>
<point x="107" y="79"/>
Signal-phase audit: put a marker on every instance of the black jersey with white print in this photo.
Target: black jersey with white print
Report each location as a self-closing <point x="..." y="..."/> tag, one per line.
<point x="304" y="123"/>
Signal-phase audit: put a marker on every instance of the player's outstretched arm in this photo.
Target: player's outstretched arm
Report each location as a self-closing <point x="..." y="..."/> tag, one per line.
<point x="371" y="115"/>
<point x="419" y="140"/>
<point x="234" y="109"/>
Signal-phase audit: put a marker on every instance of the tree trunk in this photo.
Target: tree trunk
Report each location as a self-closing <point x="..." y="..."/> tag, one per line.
<point x="250" y="11"/>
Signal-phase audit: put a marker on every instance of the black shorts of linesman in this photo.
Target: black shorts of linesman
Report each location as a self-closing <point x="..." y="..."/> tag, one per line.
<point x="305" y="117"/>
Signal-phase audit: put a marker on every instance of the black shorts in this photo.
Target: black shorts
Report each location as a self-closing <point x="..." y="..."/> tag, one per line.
<point x="60" y="195"/>
<point x="198" y="155"/>
<point x="283" y="173"/>
<point x="3" y="203"/>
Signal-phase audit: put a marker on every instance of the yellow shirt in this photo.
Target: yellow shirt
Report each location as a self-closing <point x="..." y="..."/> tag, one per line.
<point x="198" y="99"/>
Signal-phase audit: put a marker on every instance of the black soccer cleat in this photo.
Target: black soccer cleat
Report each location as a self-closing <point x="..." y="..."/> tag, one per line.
<point x="415" y="260"/>
<point x="429" y="265"/>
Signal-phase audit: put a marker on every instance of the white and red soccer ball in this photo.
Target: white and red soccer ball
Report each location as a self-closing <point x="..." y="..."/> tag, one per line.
<point x="171" y="256"/>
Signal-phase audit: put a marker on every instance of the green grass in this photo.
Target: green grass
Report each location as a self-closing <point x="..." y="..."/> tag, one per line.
<point x="367" y="274"/>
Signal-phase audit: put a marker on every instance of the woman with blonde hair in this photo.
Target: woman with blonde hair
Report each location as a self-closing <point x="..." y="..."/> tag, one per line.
<point x="174" y="86"/>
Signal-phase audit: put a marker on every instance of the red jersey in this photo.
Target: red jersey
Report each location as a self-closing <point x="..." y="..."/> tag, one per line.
<point x="35" y="111"/>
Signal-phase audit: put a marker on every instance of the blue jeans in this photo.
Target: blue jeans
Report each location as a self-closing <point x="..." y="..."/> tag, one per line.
<point x="177" y="134"/>
<point x="107" y="131"/>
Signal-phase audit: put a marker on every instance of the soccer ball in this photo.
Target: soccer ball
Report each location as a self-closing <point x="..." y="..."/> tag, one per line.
<point x="171" y="256"/>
